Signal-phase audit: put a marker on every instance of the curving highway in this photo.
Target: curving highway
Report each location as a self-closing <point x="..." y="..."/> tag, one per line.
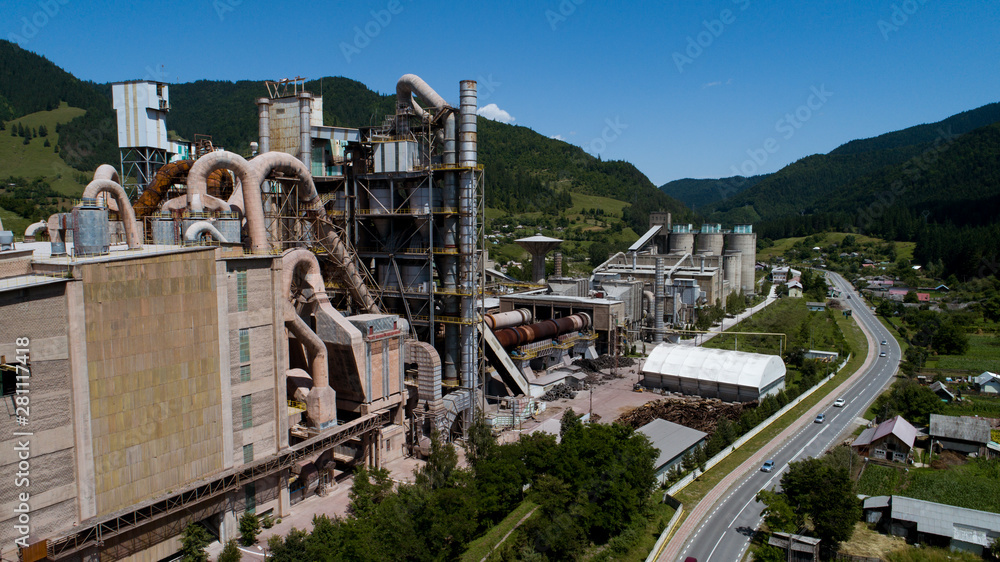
<point x="723" y="535"/>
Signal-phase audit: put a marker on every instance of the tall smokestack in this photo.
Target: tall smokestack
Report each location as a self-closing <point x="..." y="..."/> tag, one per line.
<point x="264" y="124"/>
<point x="558" y="272"/>
<point x="468" y="158"/>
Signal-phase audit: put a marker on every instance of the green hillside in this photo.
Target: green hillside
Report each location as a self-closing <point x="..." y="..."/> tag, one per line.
<point x="698" y="193"/>
<point x="36" y="181"/>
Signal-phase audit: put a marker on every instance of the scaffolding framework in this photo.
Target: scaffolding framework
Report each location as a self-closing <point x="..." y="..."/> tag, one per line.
<point x="138" y="166"/>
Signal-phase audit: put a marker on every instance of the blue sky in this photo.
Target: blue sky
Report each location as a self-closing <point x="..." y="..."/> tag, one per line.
<point x="680" y="89"/>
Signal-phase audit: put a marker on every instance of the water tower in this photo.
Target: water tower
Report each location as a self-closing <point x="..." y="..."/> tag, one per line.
<point x="538" y="246"/>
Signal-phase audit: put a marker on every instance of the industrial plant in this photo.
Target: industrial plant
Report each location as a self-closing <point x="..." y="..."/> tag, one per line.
<point x="208" y="333"/>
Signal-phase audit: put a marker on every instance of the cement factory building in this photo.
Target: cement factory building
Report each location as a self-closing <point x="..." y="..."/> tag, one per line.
<point x="238" y="331"/>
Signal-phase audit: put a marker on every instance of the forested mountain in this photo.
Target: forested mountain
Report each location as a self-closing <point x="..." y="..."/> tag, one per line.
<point x="525" y="171"/>
<point x="941" y="192"/>
<point x="697" y="193"/>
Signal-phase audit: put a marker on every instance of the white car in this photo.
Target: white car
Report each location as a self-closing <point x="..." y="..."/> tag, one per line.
<point x="839" y="403"/>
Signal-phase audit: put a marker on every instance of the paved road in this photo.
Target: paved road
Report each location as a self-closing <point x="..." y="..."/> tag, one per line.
<point x="724" y="534"/>
<point x="728" y="323"/>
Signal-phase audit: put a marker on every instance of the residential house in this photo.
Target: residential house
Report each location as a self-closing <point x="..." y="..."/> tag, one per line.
<point x="889" y="440"/>
<point x="923" y="297"/>
<point x="784" y="274"/>
<point x="794" y="289"/>
<point x="966" y="434"/>
<point x="988" y="383"/>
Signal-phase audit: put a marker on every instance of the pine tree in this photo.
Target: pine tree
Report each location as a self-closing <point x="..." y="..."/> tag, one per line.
<point x="43" y="131"/>
<point x="47" y="143"/>
<point x="230" y="553"/>
<point x="194" y="539"/>
<point x="27" y="140"/>
<point x="3" y="126"/>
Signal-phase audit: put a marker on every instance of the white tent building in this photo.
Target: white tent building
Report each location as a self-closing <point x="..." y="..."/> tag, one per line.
<point x="733" y="376"/>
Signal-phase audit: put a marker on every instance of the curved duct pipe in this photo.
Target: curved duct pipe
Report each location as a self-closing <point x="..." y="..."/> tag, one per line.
<point x="262" y="166"/>
<point x="321" y="401"/>
<point x="108" y="172"/>
<point x="97" y="187"/>
<point x="197" y="191"/>
<point x="507" y="319"/>
<point x="55" y="226"/>
<point x="177" y="172"/>
<point x="606" y="262"/>
<point x="428" y="372"/>
<point x="299" y="382"/>
<point x="33" y="229"/>
<point x="196" y="229"/>
<point x="513" y="337"/>
<point x="236" y="199"/>
<point x="648" y="301"/>
<point x="410" y="84"/>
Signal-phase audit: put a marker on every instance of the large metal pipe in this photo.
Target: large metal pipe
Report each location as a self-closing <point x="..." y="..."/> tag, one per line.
<point x="558" y="272"/>
<point x="546" y="329"/>
<point x="33" y="229"/>
<point x="264" y="124"/>
<point x="449" y="240"/>
<point x="468" y="159"/>
<point x="410" y="84"/>
<point x="509" y="319"/>
<point x="197" y="190"/>
<point x="660" y="297"/>
<point x="196" y="229"/>
<point x="97" y="187"/>
<point x="305" y="128"/>
<point x="264" y="165"/>
<point x="428" y="372"/>
<point x="648" y="302"/>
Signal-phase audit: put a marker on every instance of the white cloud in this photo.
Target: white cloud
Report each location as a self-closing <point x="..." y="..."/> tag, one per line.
<point x="493" y="112"/>
<point x="710" y="84"/>
<point x="557" y="137"/>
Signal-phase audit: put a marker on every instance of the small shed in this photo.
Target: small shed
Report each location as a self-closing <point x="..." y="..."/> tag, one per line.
<point x="890" y="440"/>
<point x="798" y="547"/>
<point x="964" y="434"/>
<point x="942" y="391"/>
<point x="952" y="527"/>
<point x="673" y="441"/>
<point x="816" y="306"/>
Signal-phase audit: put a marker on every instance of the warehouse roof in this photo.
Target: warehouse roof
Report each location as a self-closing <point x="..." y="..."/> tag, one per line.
<point x="960" y="523"/>
<point x="963" y="428"/>
<point x="715" y="365"/>
<point x="670" y="438"/>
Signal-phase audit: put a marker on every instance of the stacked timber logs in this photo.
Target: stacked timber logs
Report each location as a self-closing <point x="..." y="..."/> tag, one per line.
<point x="698" y="413"/>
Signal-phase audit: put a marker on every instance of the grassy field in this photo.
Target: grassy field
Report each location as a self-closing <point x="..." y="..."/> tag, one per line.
<point x="980" y="405"/>
<point x="878" y="480"/>
<point x="974" y="485"/>
<point x="815" y="330"/>
<point x="484" y="545"/>
<point x="35" y="160"/>
<point x="983" y="355"/>
<point x="903" y="249"/>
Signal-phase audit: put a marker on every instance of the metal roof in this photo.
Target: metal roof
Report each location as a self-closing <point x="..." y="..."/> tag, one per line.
<point x="715" y="365"/>
<point x="670" y="439"/>
<point x="897" y="426"/>
<point x="963" y="428"/>
<point x="968" y="525"/>
<point x="986" y="377"/>
<point x="538" y="238"/>
<point x="876" y="502"/>
<point x="645" y="238"/>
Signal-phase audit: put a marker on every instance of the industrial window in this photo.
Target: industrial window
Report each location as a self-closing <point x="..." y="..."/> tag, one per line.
<point x="244" y="345"/>
<point x="250" y="493"/>
<point x="244" y="373"/>
<point x="248" y="453"/>
<point x="9" y="382"/>
<point x="247" y="412"/>
<point x="241" y="291"/>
